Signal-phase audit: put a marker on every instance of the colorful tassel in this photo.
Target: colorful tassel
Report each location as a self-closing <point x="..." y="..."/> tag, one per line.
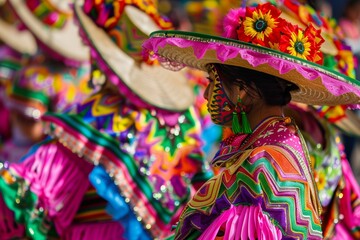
<point x="236" y="124"/>
<point x="245" y="125"/>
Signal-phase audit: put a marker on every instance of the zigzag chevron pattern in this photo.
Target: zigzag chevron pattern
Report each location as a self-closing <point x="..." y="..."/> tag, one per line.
<point x="268" y="178"/>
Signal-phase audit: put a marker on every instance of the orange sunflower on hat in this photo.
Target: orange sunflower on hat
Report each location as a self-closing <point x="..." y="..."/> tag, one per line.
<point x="263" y="26"/>
<point x="304" y="44"/>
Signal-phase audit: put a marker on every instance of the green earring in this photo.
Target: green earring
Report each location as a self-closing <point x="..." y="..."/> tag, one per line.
<point x="235" y="123"/>
<point x="245" y="125"/>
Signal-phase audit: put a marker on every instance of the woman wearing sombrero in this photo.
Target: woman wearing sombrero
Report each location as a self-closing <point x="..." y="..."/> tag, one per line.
<point x="140" y="132"/>
<point x="320" y="125"/>
<point x="267" y="188"/>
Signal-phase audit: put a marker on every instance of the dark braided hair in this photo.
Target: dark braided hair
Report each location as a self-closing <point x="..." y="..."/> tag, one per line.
<point x="274" y="90"/>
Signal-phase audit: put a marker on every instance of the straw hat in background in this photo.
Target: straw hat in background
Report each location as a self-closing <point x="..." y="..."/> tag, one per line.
<point x="52" y="23"/>
<point x="11" y="33"/>
<point x="116" y="47"/>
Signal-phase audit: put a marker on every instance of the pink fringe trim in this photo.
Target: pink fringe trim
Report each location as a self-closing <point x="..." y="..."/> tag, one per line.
<point x="243" y="222"/>
<point x="90" y="231"/>
<point x="59" y="178"/>
<point x="9" y="229"/>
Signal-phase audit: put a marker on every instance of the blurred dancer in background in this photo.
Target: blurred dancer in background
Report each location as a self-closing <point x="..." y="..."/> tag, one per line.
<point x="16" y="47"/>
<point x="54" y="78"/>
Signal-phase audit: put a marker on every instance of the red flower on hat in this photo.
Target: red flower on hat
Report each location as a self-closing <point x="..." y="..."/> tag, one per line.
<point x="303" y="44"/>
<point x="318" y="41"/>
<point x="260" y="24"/>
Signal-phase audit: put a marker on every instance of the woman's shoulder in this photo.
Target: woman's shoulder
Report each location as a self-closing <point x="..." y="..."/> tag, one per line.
<point x="275" y="159"/>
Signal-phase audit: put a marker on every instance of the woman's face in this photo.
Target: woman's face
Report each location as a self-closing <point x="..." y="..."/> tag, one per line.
<point x="219" y="105"/>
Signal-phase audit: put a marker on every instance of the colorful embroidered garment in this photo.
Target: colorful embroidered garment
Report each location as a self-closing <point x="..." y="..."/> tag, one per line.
<point x="266" y="189"/>
<point x="49" y="86"/>
<point x="152" y="156"/>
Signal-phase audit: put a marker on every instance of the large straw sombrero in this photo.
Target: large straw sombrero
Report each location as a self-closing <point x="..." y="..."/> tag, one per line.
<point x="19" y="40"/>
<point x="318" y="85"/>
<point x="52" y="24"/>
<point x="119" y="48"/>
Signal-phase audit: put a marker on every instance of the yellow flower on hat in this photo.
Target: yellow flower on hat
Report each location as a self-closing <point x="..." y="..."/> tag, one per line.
<point x="299" y="45"/>
<point x="259" y="24"/>
<point x="304" y="44"/>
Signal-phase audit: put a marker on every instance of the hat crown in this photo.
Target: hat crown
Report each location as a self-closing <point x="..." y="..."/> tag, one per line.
<point x="53" y="13"/>
<point x="262" y="25"/>
<point x="127" y="22"/>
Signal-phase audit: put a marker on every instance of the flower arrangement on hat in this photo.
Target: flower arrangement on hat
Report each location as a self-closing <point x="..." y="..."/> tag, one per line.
<point x="337" y="54"/>
<point x="263" y="26"/>
<point x="107" y="14"/>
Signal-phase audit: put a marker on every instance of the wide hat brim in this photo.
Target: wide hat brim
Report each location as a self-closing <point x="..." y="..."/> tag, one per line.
<point x="318" y="85"/>
<point x="20" y="40"/>
<point x="153" y="84"/>
<point x="65" y="41"/>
